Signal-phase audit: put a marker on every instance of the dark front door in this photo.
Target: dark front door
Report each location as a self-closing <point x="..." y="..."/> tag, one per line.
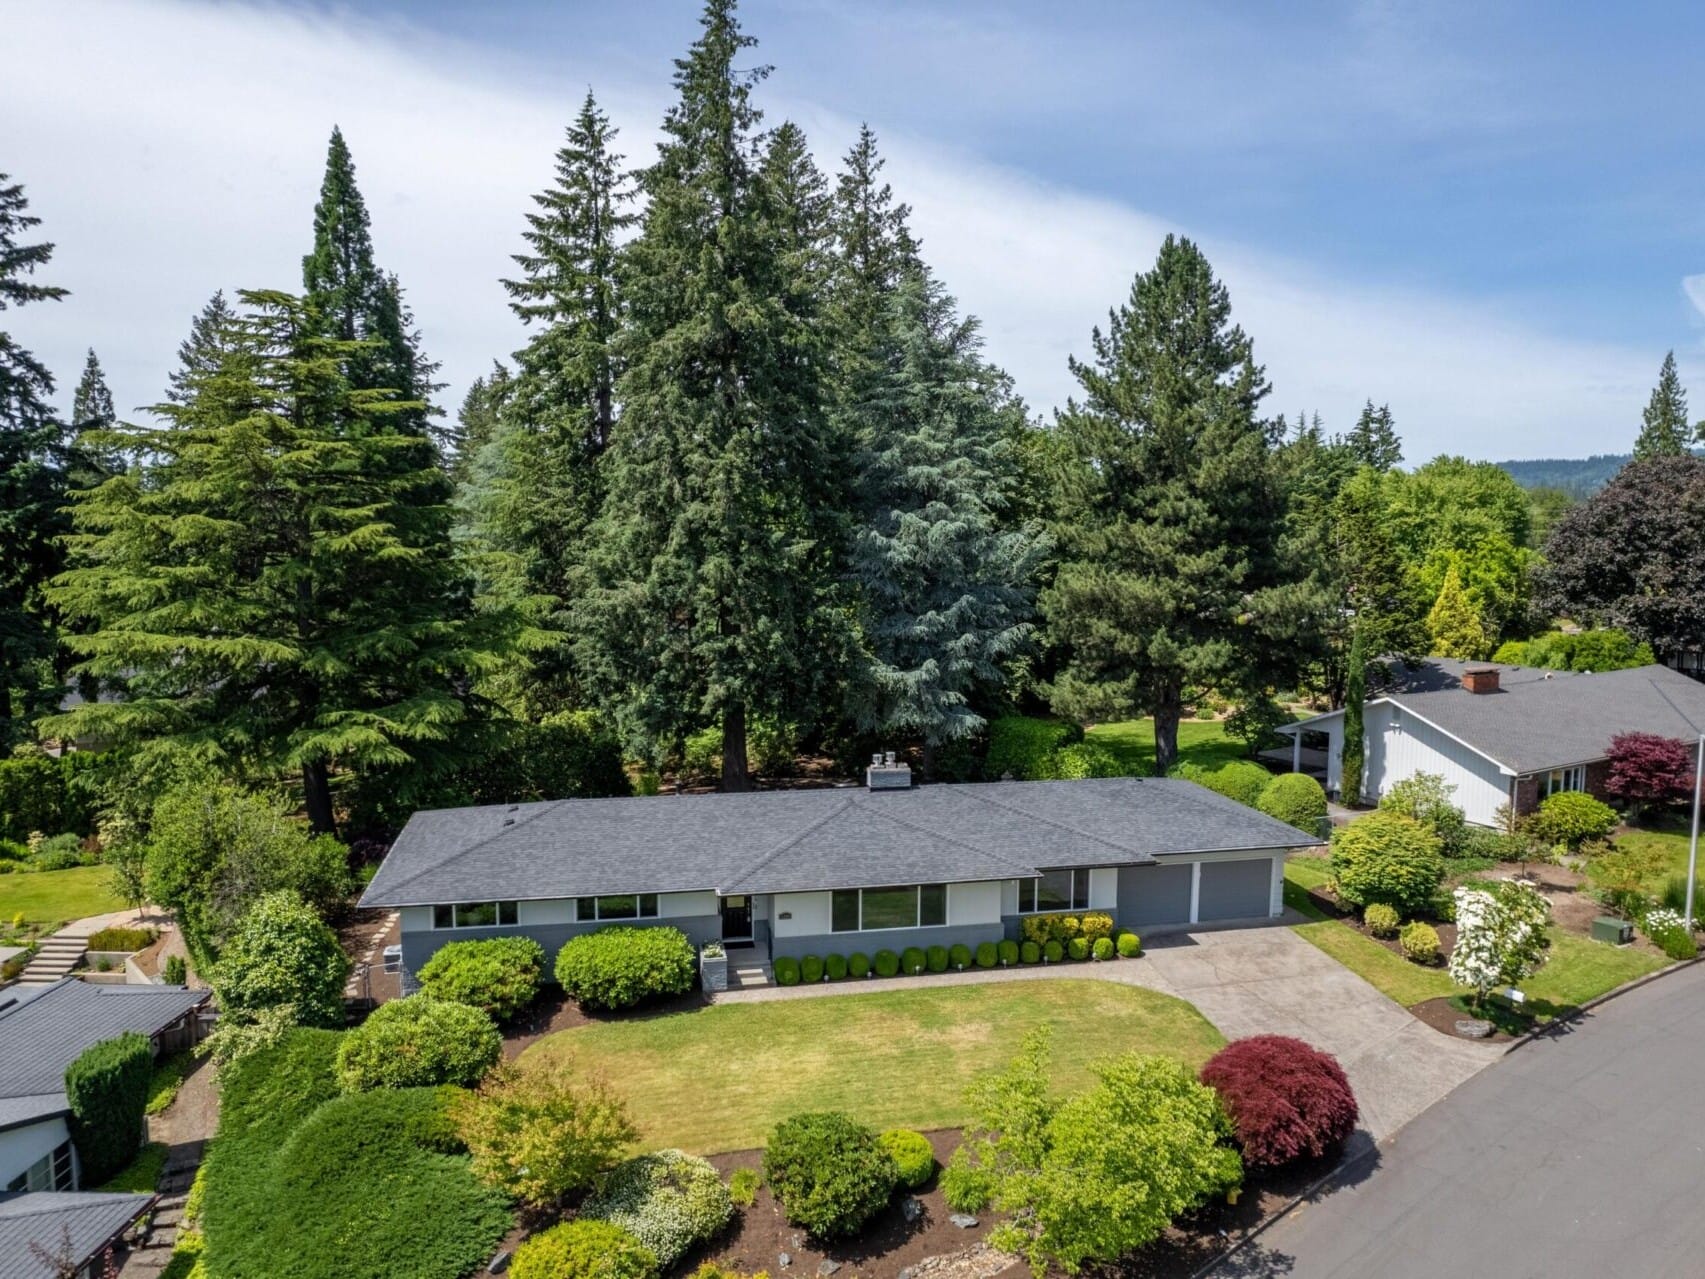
<point x="736" y="919"/>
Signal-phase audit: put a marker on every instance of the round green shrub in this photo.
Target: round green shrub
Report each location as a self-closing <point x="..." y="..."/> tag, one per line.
<point x="959" y="955"/>
<point x="583" y="1250"/>
<point x="887" y="963"/>
<point x="1296" y="799"/>
<point x="858" y="964"/>
<point x="1008" y="950"/>
<point x="1029" y="953"/>
<point x="1086" y="759"/>
<point x="282" y="953"/>
<point x="1129" y="945"/>
<point x="1239" y="780"/>
<point x="1419" y="941"/>
<point x="1078" y="948"/>
<point x="830" y="1174"/>
<point x="1387" y="857"/>
<point x="1103" y="948"/>
<point x="786" y="970"/>
<point x="669" y="1200"/>
<point x="498" y="975"/>
<point x="1571" y="817"/>
<point x="912" y="1154"/>
<point x="987" y="955"/>
<point x="1381" y="920"/>
<point x="417" y="1042"/>
<point x="937" y="959"/>
<point x="810" y="970"/>
<point x="913" y="961"/>
<point x="835" y="967"/>
<point x="1053" y="952"/>
<point x="620" y="967"/>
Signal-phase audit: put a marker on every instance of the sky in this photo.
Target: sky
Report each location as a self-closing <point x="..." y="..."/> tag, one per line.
<point x="1491" y="217"/>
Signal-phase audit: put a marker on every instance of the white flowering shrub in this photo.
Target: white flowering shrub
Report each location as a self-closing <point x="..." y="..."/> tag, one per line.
<point x="1500" y="935"/>
<point x="1666" y="930"/>
<point x="669" y="1200"/>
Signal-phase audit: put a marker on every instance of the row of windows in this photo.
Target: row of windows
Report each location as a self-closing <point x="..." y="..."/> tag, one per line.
<point x="1562" y="779"/>
<point x="51" y="1172"/>
<point x="855" y="910"/>
<point x="621" y="906"/>
<point x="474" y="915"/>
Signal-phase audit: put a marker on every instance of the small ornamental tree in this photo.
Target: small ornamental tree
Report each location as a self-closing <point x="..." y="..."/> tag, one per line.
<point x="1287" y="1100"/>
<point x="417" y="1042"/>
<point x="106" y="1087"/>
<point x="539" y="1134"/>
<point x="1647" y="770"/>
<point x="1427" y="798"/>
<point x="1500" y="936"/>
<point x="830" y="1173"/>
<point x="1387" y="857"/>
<point x="282" y="955"/>
<point x="1253" y="722"/>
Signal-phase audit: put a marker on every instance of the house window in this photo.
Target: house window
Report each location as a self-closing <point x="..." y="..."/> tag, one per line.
<point x="854" y="910"/>
<point x="1054" y="890"/>
<point x="616" y="906"/>
<point x="51" y="1172"/>
<point x="474" y="915"/>
<point x="1562" y="779"/>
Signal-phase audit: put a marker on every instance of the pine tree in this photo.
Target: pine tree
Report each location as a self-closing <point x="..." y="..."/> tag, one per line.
<point x="274" y="581"/>
<point x="1373" y="440"/>
<point x="716" y="549"/>
<point x="1454" y="625"/>
<point x="875" y="250"/>
<point x="200" y="353"/>
<point x="478" y="420"/>
<point x="92" y="404"/>
<point x="32" y="483"/>
<point x="1169" y="511"/>
<point x="947" y="593"/>
<point x="1664" y="429"/>
<point x="1352" y="756"/>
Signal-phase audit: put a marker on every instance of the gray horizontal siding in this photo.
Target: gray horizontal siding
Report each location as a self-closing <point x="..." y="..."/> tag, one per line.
<point x="419" y="945"/>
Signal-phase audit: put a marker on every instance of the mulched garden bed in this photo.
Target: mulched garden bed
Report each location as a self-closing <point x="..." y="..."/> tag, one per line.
<point x="552" y="1010"/>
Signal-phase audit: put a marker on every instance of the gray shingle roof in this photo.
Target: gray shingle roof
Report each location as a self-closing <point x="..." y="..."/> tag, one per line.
<point x="43" y="1031"/>
<point x="48" y="1218"/>
<point x="16" y="1112"/>
<point x="803" y="840"/>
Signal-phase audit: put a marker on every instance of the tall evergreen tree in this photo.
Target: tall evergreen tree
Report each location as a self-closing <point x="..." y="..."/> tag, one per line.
<point x="1352" y="755"/>
<point x="199" y="354"/>
<point x="32" y="482"/>
<point x="717" y="547"/>
<point x="478" y="420"/>
<point x="1170" y="579"/>
<point x="92" y="404"/>
<point x="1664" y="429"/>
<point x="1373" y="439"/>
<point x="1454" y="624"/>
<point x="274" y="582"/>
<point x="875" y="249"/>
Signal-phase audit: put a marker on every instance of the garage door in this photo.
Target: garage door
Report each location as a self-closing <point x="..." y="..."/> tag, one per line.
<point x="1235" y="890"/>
<point x="1153" y="895"/>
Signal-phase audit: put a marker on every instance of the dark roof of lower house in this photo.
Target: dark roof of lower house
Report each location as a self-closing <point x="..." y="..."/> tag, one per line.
<point x="808" y="840"/>
<point x="53" y="1219"/>
<point x="1540" y="720"/>
<point x="42" y="1031"/>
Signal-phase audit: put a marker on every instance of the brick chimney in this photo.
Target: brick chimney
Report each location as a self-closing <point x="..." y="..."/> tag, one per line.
<point x="1480" y="679"/>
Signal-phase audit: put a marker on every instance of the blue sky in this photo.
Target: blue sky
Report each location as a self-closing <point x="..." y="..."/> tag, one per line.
<point x="1486" y="214"/>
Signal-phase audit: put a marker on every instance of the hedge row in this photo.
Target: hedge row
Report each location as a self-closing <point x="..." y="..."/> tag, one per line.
<point x="107" y="1088"/>
<point x="915" y="960"/>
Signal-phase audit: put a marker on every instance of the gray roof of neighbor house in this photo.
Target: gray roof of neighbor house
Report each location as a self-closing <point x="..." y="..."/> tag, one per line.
<point x="43" y="1030"/>
<point x="1539" y="720"/>
<point x="50" y="1219"/>
<point x="803" y="840"/>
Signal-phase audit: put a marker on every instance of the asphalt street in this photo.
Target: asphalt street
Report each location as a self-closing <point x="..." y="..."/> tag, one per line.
<point x="1580" y="1154"/>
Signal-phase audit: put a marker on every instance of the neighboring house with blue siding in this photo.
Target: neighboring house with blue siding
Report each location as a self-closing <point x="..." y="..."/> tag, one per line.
<point x="859" y="868"/>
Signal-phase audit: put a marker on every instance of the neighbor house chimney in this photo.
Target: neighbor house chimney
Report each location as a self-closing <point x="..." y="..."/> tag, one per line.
<point x="1480" y="679"/>
<point x="886" y="773"/>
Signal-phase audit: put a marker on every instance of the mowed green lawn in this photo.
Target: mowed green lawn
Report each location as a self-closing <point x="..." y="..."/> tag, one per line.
<point x="1200" y="741"/>
<point x="49" y="898"/>
<point x="720" y="1078"/>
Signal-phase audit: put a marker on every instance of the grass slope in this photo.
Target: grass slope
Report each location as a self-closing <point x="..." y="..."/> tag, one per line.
<point x="49" y="898"/>
<point x="720" y="1078"/>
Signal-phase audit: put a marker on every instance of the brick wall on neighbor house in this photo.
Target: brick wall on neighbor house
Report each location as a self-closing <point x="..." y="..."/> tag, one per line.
<point x="1527" y="794"/>
<point x="1527" y="788"/>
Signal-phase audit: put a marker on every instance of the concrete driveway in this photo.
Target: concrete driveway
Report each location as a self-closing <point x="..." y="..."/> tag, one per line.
<point x="1269" y="981"/>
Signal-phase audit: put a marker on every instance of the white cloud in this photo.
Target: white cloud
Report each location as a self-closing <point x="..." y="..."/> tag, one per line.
<point x="1694" y="287"/>
<point x="173" y="148"/>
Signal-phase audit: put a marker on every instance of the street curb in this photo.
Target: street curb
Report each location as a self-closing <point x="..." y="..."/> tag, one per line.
<point x="1575" y="1014"/>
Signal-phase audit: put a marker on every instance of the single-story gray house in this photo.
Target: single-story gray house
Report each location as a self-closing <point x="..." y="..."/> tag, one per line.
<point x="834" y="871"/>
<point x="43" y="1029"/>
<point x="1502" y="735"/>
<point x="78" y="1229"/>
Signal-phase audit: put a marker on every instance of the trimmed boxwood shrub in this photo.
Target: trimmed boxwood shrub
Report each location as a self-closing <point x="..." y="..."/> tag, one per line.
<point x="1571" y="817"/>
<point x="1240" y="780"/>
<point x="1008" y="951"/>
<point x="669" y="1200"/>
<point x="1029" y="953"/>
<point x="912" y="1154"/>
<point x="1419" y="942"/>
<point x="887" y="963"/>
<point x="959" y="955"/>
<point x="786" y="970"/>
<point x="497" y="975"/>
<point x="913" y="960"/>
<point x="122" y="939"/>
<point x="830" y="1174"/>
<point x="835" y="967"/>
<point x="107" y="1088"/>
<point x="1286" y="1099"/>
<point x="620" y="967"/>
<point x="1387" y="857"/>
<point x="1053" y="952"/>
<point x="810" y="970"/>
<point x="1296" y="799"/>
<point x="1129" y="945"/>
<point x="418" y="1042"/>
<point x="1103" y="948"/>
<point x="583" y="1250"/>
<point x="1093" y="924"/>
<point x="1078" y="948"/>
<point x="937" y="959"/>
<point x="858" y="964"/>
<point x="986" y="954"/>
<point x="1381" y="920"/>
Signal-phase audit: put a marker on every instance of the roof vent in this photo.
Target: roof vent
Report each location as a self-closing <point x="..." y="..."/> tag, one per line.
<point x="887" y="773"/>
<point x="1481" y="679"/>
<point x="508" y="821"/>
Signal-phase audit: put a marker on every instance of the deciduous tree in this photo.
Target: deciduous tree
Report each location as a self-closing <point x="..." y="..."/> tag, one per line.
<point x="1646" y="769"/>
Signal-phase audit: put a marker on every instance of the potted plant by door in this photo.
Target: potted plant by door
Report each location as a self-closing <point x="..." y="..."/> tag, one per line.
<point x="713" y="966"/>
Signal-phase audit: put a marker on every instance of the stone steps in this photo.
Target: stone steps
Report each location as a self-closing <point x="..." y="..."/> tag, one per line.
<point x="56" y="958"/>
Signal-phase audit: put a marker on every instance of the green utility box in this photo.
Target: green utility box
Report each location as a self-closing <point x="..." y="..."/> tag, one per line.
<point x="1618" y="932"/>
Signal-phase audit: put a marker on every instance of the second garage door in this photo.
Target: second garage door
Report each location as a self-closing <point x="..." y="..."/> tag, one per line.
<point x="1235" y="890"/>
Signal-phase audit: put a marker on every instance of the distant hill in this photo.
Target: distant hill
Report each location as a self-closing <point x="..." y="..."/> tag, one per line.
<point x="1579" y="477"/>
